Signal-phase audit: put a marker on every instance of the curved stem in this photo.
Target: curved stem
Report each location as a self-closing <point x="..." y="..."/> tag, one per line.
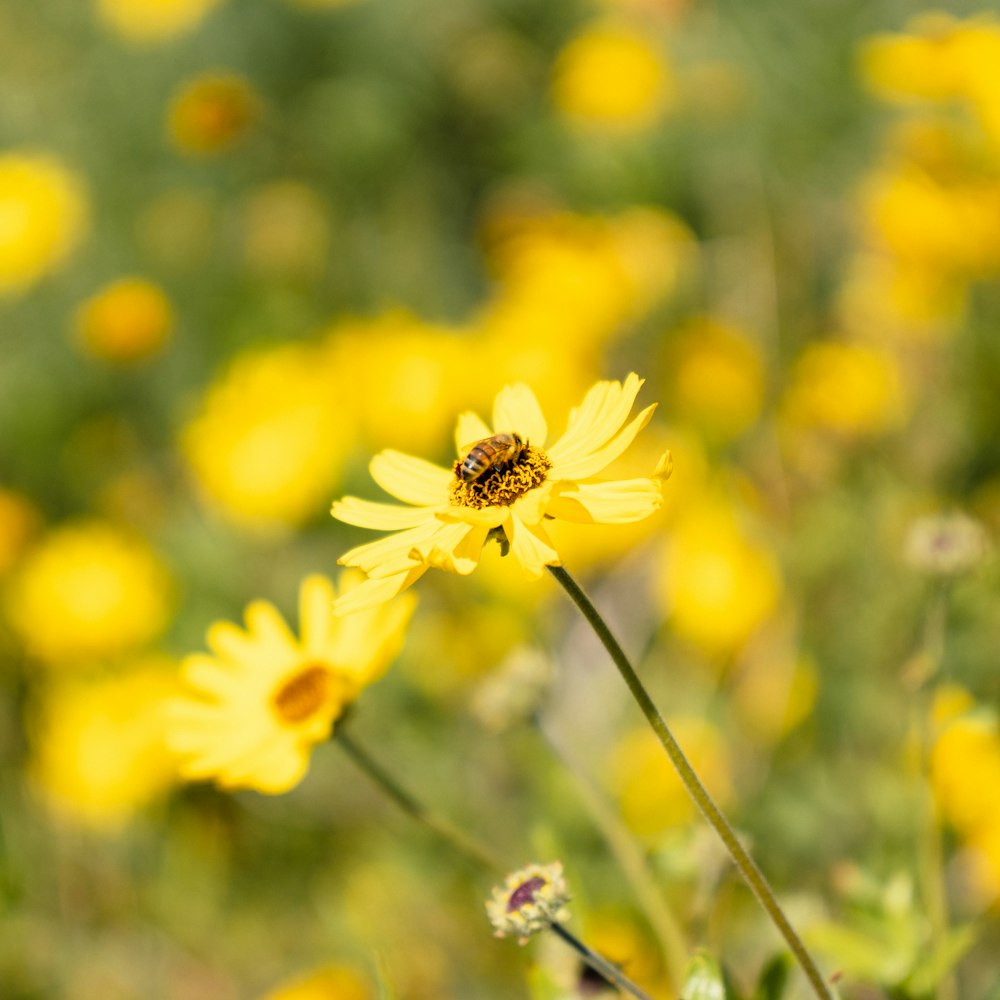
<point x="465" y="845"/>
<point x="746" y="866"/>
<point x="600" y="964"/>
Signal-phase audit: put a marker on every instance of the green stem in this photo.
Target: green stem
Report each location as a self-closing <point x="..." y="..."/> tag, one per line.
<point x="746" y="866"/>
<point x="600" y="964"/>
<point x="630" y="859"/>
<point x="466" y="846"/>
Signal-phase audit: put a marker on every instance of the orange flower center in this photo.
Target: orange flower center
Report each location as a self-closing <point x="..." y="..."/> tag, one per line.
<point x="304" y="694"/>
<point x="501" y="485"/>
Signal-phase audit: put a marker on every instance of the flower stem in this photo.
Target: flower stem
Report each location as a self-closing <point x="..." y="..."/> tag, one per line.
<point x="599" y="964"/>
<point x="746" y="866"/>
<point x="465" y="845"/>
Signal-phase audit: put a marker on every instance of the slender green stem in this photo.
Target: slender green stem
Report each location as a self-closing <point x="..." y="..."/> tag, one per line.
<point x="630" y="859"/>
<point x="600" y="964"/>
<point x="746" y="866"/>
<point x="465" y="845"/>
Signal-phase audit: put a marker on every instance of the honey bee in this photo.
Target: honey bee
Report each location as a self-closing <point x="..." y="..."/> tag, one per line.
<point x="491" y="453"/>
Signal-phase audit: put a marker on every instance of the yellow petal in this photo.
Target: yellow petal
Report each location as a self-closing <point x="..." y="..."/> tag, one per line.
<point x="457" y="549"/>
<point x="531" y="547"/>
<point x="590" y="463"/>
<point x="618" y="502"/>
<point x="315" y="613"/>
<point x="516" y="409"/>
<point x="390" y="555"/>
<point x="599" y="417"/>
<point x="377" y="590"/>
<point x="412" y="480"/>
<point x="469" y="429"/>
<point x="380" y="516"/>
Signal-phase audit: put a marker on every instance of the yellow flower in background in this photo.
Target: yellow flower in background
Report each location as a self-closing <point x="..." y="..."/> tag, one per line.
<point x="772" y="693"/>
<point x="718" y="378"/>
<point x="127" y="320"/>
<point x="99" y="751"/>
<point x="718" y="584"/>
<point x="652" y="798"/>
<point x="257" y="704"/>
<point x="88" y="590"/>
<point x="333" y="982"/>
<point x="43" y="215"/>
<point x="148" y="21"/>
<point x="211" y="113"/>
<point x="19" y="522"/>
<point x="454" y="514"/>
<point x="843" y="388"/>
<point x="270" y="437"/>
<point x="612" y="77"/>
<point x="286" y="230"/>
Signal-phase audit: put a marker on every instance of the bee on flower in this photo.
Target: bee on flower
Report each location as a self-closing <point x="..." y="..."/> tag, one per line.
<point x="505" y="483"/>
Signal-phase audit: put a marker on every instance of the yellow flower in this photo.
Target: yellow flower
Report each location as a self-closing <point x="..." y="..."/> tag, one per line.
<point x="18" y="523"/>
<point x="99" y="746"/>
<point x="270" y="437"/>
<point x="148" y="21"/>
<point x="612" y="77"/>
<point x="263" y="698"/>
<point x="88" y="591"/>
<point x="453" y="517"/>
<point x="127" y="320"/>
<point x="211" y="113"/>
<point x="42" y="218"/>
<point x="334" y="982"/>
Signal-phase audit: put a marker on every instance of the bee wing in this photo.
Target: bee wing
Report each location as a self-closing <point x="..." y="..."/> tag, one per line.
<point x="470" y="430"/>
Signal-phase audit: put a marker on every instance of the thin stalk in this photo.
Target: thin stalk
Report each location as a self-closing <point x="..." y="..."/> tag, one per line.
<point x="746" y="866"/>
<point x="631" y="860"/>
<point x="465" y="845"/>
<point x="600" y="964"/>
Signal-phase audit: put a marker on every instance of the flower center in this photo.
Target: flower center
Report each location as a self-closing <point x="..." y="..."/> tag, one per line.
<point x="501" y="485"/>
<point x="304" y="694"/>
<point x="524" y="893"/>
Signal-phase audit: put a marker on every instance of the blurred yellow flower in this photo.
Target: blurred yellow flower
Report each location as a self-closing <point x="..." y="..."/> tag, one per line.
<point x="651" y="796"/>
<point x="211" y="113"/>
<point x="844" y="388"/>
<point x="718" y="379"/>
<point x="612" y="77"/>
<point x="258" y="703"/>
<point x="286" y="230"/>
<point x="333" y="982"/>
<point x="19" y="521"/>
<point x="42" y="218"/>
<point x="127" y="320"/>
<point x="772" y="696"/>
<point x="148" y="21"/>
<point x="88" y="590"/>
<point x="270" y="437"/>
<point x="454" y="514"/>
<point x="621" y="938"/>
<point x="99" y="746"/>
<point x="718" y="584"/>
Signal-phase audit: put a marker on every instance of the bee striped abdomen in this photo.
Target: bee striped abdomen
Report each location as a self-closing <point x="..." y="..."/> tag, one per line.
<point x="491" y="453"/>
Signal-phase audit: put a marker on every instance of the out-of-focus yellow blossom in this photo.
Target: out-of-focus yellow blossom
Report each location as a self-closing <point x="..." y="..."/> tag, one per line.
<point x="620" y="939"/>
<point x="43" y="215"/>
<point x="651" y="796"/>
<point x="949" y="224"/>
<point x="270" y="437"/>
<point x="883" y="297"/>
<point x="718" y="379"/>
<point x="718" y="584"/>
<point x="260" y="701"/>
<point x="128" y="320"/>
<point x="211" y="113"/>
<point x="404" y="378"/>
<point x="99" y="746"/>
<point x="333" y="982"/>
<point x="286" y="230"/>
<point x="846" y="389"/>
<point x="773" y="696"/>
<point x="612" y="77"/>
<point x="452" y="517"/>
<point x="148" y="21"/>
<point x="19" y="522"/>
<point x="88" y="590"/>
